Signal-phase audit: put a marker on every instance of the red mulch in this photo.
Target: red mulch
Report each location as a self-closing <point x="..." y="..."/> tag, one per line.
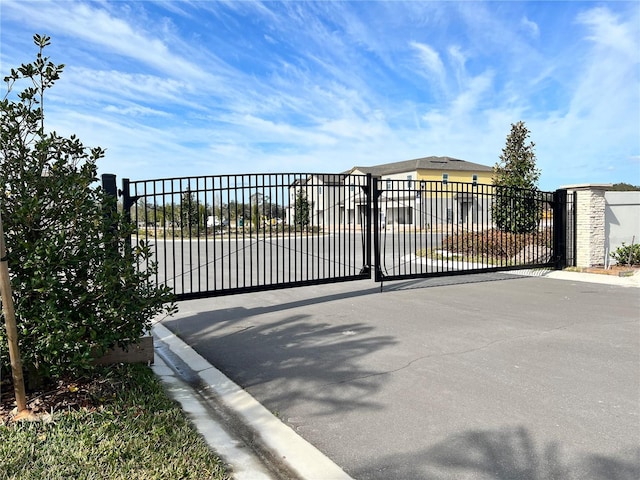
<point x="612" y="270"/>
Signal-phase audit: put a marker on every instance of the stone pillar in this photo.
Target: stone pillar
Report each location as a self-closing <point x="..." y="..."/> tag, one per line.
<point x="590" y="224"/>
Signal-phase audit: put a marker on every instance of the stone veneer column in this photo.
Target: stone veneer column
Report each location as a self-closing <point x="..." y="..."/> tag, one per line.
<point x="590" y="224"/>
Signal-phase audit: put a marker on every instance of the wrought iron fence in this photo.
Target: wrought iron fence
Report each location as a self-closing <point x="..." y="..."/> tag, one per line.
<point x="217" y="235"/>
<point x="225" y="234"/>
<point x="429" y="228"/>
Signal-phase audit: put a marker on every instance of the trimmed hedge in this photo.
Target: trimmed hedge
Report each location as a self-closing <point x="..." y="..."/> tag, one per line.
<point x="495" y="243"/>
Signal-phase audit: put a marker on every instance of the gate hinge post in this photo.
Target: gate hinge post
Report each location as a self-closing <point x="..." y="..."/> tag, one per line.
<point x="560" y="228"/>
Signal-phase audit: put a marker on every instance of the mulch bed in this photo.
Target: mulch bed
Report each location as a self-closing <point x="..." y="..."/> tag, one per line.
<point x="612" y="270"/>
<point x="63" y="395"/>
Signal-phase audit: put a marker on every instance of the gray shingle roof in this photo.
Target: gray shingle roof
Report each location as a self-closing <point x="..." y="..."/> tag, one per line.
<point x="426" y="163"/>
<point x="325" y="178"/>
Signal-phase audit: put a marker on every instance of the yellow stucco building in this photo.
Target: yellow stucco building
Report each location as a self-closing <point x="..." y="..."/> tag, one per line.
<point x="432" y="191"/>
<point x="424" y="192"/>
<point x="430" y="169"/>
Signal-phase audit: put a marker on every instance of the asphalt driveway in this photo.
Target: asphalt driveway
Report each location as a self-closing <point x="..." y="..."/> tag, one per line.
<point x="487" y="377"/>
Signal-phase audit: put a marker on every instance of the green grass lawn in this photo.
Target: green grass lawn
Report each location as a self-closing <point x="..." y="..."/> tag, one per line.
<point x="129" y="430"/>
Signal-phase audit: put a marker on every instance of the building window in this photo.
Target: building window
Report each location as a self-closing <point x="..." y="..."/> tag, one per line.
<point x="388" y="184"/>
<point x="319" y="189"/>
<point x="352" y="188"/>
<point x="474" y="179"/>
<point x="445" y="178"/>
<point x="409" y="182"/>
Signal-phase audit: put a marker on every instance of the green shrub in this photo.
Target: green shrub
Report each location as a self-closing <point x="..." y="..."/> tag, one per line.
<point x="76" y="287"/>
<point x="627" y="254"/>
<point x="517" y="210"/>
<point x="494" y="244"/>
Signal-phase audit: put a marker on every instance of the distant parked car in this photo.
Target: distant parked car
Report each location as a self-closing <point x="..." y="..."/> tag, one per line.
<point x="217" y="223"/>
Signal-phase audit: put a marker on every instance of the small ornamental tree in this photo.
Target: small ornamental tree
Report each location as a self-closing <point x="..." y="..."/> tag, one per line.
<point x="76" y="287"/>
<point x="302" y="208"/>
<point x="257" y="207"/>
<point x="189" y="213"/>
<point x="517" y="208"/>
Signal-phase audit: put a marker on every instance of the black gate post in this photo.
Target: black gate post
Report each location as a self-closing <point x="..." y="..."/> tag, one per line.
<point x="110" y="211"/>
<point x="560" y="228"/>
<point x="127" y="202"/>
<point x="109" y="184"/>
<point x="369" y="223"/>
<point x="574" y="228"/>
<point x="367" y="228"/>
<point x="374" y="199"/>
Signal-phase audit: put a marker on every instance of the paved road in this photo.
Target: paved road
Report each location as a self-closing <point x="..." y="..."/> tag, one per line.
<point x="196" y="265"/>
<point x="502" y="377"/>
<point x="226" y="263"/>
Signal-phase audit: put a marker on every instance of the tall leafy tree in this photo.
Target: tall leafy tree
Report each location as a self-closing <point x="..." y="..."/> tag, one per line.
<point x="517" y="208"/>
<point x="76" y="291"/>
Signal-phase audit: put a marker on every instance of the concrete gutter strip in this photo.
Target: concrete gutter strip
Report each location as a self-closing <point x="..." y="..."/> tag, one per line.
<point x="633" y="281"/>
<point x="244" y="465"/>
<point x="287" y="446"/>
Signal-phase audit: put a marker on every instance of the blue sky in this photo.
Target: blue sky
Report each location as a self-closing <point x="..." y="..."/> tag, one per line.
<point x="179" y="88"/>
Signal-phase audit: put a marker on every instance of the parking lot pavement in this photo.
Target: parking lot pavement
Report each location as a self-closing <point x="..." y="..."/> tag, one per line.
<point x="487" y="376"/>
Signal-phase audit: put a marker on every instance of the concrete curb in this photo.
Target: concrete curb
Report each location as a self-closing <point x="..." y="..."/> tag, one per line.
<point x="633" y="281"/>
<point x="244" y="465"/>
<point x="292" y="450"/>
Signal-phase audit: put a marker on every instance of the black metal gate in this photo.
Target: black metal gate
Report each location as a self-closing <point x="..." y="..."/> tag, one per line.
<point x="227" y="234"/>
<point x="434" y="228"/>
<point x="221" y="235"/>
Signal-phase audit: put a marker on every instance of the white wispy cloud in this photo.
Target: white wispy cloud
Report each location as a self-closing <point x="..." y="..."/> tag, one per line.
<point x="430" y="60"/>
<point x="611" y="31"/>
<point x="600" y="126"/>
<point x="149" y="50"/>
<point x="117" y="86"/>
<point x="134" y="110"/>
<point x="224" y="87"/>
<point x="530" y="27"/>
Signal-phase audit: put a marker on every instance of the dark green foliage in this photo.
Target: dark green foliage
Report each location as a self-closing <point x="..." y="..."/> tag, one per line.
<point x="302" y="209"/>
<point x="257" y="202"/>
<point x="627" y="254"/>
<point x="516" y="177"/>
<point x="75" y="293"/>
<point x="189" y="213"/>
<point x="255" y="216"/>
<point x="494" y="244"/>
<point x="624" y="187"/>
<point x="517" y="210"/>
